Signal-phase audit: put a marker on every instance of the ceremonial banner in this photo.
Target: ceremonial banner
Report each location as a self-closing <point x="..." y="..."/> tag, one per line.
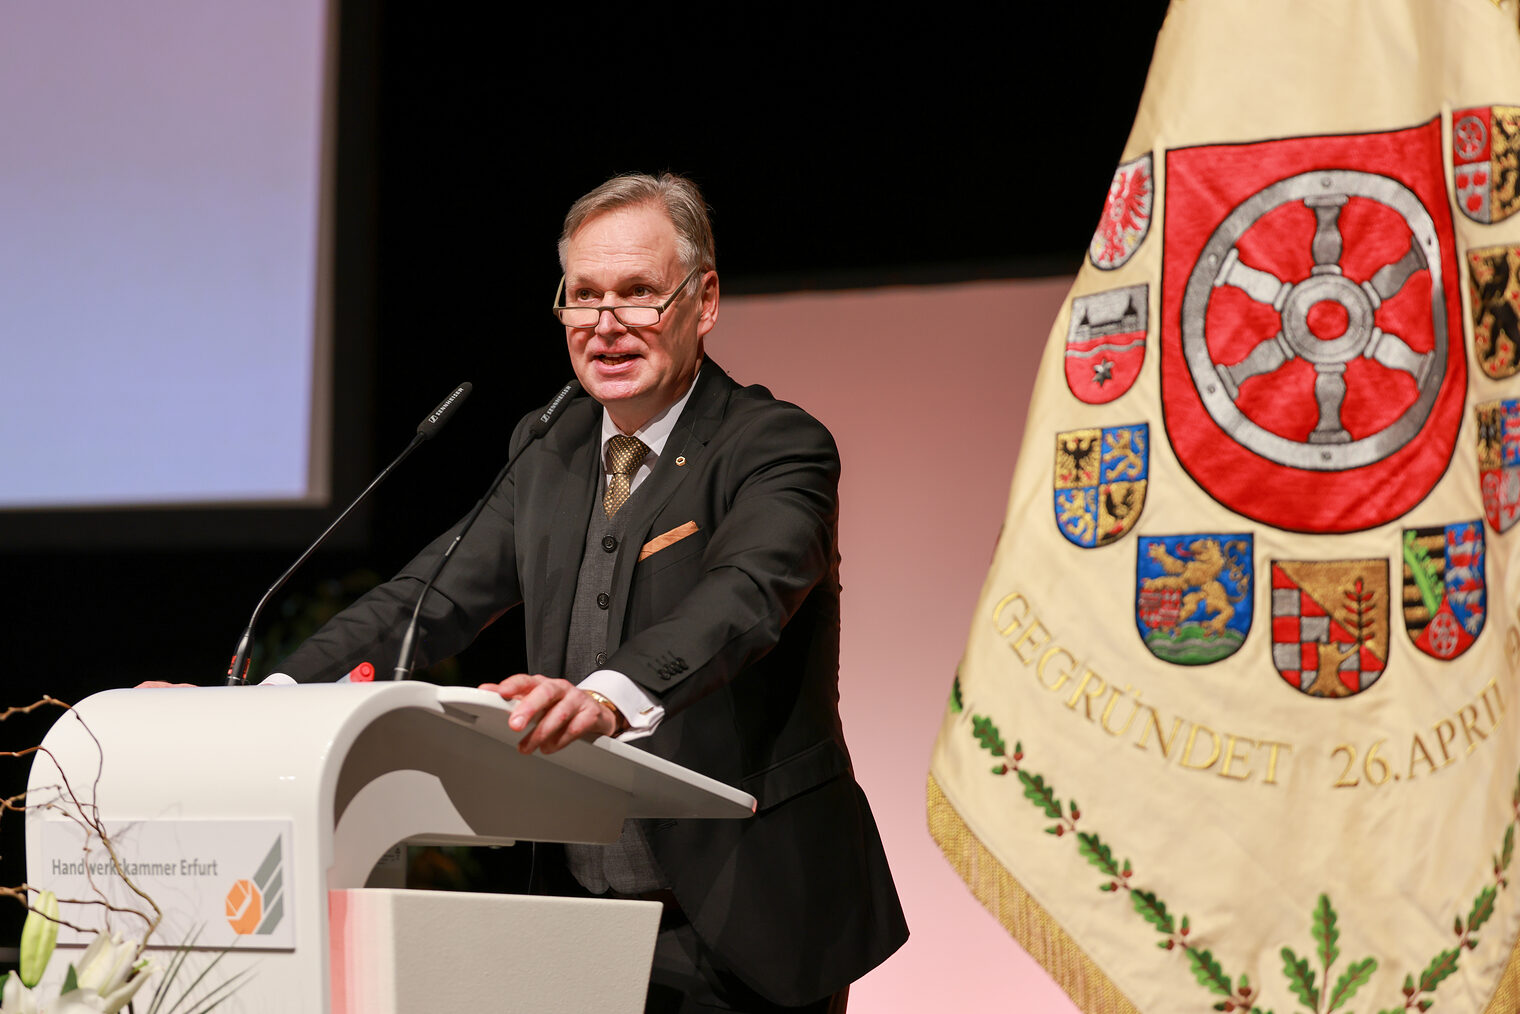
<point x="1255" y="599"/>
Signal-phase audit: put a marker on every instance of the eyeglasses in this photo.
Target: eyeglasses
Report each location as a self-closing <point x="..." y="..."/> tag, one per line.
<point x="628" y="316"/>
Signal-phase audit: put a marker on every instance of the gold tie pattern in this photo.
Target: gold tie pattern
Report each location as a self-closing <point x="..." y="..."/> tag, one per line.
<point x="624" y="456"/>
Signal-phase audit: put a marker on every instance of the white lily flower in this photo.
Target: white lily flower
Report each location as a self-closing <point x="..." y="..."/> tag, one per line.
<point x="15" y="998"/>
<point x="106" y="964"/>
<point x="78" y="1001"/>
<point x="119" y="997"/>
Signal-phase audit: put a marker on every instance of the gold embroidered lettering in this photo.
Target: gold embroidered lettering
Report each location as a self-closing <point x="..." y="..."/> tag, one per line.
<point x="1165" y="741"/>
<point x="1272" y="749"/>
<point x="1109" y="707"/>
<point x="1418" y="751"/>
<point x="1230" y="755"/>
<point x="1468" y="716"/>
<point x="1024" y="639"/>
<point x="1087" y="698"/>
<point x="1064" y="675"/>
<point x="1005" y="602"/>
<point x="1445" y="733"/>
<point x="1187" y="751"/>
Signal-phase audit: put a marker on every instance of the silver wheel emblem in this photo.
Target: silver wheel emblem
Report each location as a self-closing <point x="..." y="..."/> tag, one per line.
<point x="1330" y="447"/>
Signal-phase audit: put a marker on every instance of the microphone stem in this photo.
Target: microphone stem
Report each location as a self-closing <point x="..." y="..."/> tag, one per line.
<point x="235" y="676"/>
<point x="404" y="666"/>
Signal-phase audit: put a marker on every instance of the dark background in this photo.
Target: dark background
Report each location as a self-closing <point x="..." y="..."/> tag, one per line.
<point x="839" y="147"/>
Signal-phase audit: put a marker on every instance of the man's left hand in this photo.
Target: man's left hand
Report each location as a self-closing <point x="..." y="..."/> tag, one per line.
<point x="564" y="712"/>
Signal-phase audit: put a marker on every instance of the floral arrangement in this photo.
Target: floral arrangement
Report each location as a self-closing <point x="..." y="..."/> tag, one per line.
<point x="113" y="967"/>
<point x="108" y="975"/>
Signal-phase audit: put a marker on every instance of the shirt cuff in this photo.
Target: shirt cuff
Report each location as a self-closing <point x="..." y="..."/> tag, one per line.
<point x="642" y="712"/>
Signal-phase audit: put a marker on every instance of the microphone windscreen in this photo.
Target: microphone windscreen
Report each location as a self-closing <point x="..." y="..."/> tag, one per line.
<point x="538" y="427"/>
<point x="446" y="408"/>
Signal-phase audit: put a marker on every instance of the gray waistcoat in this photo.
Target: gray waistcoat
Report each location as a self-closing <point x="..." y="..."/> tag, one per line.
<point x="626" y="865"/>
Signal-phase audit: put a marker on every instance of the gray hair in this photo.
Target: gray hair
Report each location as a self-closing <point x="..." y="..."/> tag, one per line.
<point x="679" y="197"/>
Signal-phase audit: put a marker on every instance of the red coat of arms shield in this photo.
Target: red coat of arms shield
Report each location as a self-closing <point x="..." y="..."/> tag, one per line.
<point x="1312" y="365"/>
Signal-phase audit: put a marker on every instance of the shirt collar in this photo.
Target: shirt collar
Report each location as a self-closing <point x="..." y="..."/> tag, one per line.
<point x="656" y="431"/>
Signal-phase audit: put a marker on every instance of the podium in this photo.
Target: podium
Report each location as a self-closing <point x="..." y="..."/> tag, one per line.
<point x="256" y="815"/>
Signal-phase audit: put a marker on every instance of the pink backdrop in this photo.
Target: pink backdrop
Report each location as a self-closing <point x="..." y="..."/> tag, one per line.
<point x="925" y="390"/>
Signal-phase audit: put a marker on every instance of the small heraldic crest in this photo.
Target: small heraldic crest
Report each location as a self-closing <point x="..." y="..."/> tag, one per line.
<point x="1485" y="162"/>
<point x="1493" y="285"/>
<point x="1330" y="624"/>
<point x="1445" y="595"/>
<point x="1499" y="461"/>
<point x="1126" y="215"/>
<point x="1100" y="481"/>
<point x="1105" y="342"/>
<point x="1193" y="596"/>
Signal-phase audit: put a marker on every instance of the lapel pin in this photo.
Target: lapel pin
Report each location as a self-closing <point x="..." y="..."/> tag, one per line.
<point x="680" y="460"/>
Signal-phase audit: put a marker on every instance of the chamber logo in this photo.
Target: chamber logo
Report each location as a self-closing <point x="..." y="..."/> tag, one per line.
<point x="256" y="905"/>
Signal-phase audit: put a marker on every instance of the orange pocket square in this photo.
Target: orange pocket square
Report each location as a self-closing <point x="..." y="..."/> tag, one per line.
<point x="670" y="538"/>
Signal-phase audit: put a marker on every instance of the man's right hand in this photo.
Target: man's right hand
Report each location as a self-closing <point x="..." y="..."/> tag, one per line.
<point x="564" y="712"/>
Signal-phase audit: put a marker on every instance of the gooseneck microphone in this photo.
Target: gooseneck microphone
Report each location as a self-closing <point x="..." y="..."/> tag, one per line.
<point x="237" y="675"/>
<point x="537" y="428"/>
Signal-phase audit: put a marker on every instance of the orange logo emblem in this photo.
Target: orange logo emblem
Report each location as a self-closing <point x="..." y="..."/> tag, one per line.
<point x="245" y="907"/>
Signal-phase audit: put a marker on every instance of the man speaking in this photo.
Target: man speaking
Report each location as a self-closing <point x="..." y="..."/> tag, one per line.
<point x="673" y="541"/>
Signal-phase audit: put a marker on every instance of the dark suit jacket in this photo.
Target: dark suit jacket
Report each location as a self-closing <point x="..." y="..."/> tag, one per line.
<point x="734" y="628"/>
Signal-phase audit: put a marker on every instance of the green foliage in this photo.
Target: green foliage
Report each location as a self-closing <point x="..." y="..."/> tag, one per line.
<point x="1097" y="853"/>
<point x="185" y="1003"/>
<point x="1482" y="908"/>
<point x="986" y="734"/>
<point x="1440" y="967"/>
<point x="1353" y="979"/>
<point x="1300" y="978"/>
<point x="1208" y="972"/>
<point x="957" y="704"/>
<point x="1153" y="910"/>
<point x="1038" y="793"/>
<point x="1325" y="932"/>
<point x="1508" y="851"/>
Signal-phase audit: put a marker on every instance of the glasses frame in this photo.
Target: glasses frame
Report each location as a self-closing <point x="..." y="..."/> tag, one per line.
<point x="659" y="311"/>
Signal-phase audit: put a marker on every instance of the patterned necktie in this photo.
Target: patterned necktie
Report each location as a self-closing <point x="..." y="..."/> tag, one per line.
<point x="624" y="455"/>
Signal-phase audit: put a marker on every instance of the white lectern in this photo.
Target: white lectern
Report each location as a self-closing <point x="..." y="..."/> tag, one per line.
<point x="255" y="813"/>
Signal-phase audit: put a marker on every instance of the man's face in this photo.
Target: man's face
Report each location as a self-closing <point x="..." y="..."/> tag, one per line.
<point x="628" y="256"/>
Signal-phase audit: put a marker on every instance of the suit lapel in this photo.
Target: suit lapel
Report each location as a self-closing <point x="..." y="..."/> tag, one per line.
<point x="575" y="443"/>
<point x="688" y="443"/>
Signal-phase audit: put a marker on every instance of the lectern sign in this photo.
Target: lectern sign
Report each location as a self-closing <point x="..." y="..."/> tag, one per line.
<point x="228" y="878"/>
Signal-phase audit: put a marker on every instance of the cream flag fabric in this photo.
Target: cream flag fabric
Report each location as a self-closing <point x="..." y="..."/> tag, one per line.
<point x="1238" y="722"/>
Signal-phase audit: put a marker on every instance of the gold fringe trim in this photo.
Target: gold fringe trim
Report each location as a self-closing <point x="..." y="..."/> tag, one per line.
<point x="1026" y="920"/>
<point x="1049" y="944"/>
<point x="1507" y="994"/>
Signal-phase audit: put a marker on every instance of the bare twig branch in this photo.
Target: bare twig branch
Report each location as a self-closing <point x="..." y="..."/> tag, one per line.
<point x="86" y="815"/>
